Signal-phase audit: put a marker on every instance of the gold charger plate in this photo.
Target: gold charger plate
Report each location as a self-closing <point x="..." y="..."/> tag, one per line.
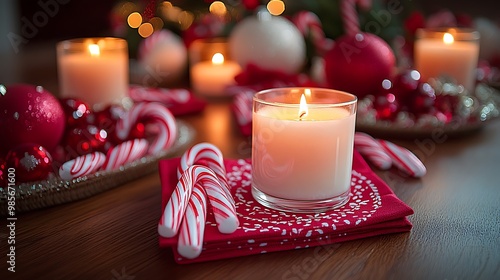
<point x="55" y="191"/>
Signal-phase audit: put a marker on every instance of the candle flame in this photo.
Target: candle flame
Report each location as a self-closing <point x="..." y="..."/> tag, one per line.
<point x="303" y="107"/>
<point x="448" y="38"/>
<point x="94" y="50"/>
<point x="307" y="92"/>
<point x="218" y="59"/>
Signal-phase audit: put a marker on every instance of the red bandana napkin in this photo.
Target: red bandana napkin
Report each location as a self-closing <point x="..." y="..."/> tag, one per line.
<point x="373" y="209"/>
<point x="179" y="101"/>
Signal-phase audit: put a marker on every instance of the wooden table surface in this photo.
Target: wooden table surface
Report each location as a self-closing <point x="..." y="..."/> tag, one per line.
<point x="112" y="235"/>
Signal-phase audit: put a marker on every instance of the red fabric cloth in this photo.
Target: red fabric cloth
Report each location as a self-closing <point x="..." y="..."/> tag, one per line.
<point x="372" y="210"/>
<point x="179" y="101"/>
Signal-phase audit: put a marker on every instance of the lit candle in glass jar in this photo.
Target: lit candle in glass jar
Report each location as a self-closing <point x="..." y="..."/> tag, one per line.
<point x="448" y="52"/>
<point x="211" y="78"/>
<point x="94" y="70"/>
<point x="302" y="151"/>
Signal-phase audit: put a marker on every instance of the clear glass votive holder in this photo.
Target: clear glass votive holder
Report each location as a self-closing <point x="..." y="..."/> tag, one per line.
<point x="94" y="70"/>
<point x="211" y="68"/>
<point x="302" y="150"/>
<point x="447" y="52"/>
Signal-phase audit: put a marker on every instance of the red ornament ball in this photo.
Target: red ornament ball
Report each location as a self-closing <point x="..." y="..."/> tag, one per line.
<point x="32" y="162"/>
<point x="84" y="140"/>
<point x="77" y="112"/>
<point x="30" y="114"/>
<point x="359" y="63"/>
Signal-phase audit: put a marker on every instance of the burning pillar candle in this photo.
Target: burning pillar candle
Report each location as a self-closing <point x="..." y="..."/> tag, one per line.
<point x="302" y="151"/>
<point x="94" y="70"/>
<point x="448" y="52"/>
<point x="210" y="78"/>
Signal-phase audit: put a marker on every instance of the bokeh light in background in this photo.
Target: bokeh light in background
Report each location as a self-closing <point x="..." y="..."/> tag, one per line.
<point x="276" y="7"/>
<point x="146" y="29"/>
<point x="134" y="20"/>
<point x="218" y="8"/>
<point x="185" y="20"/>
<point x="157" y="23"/>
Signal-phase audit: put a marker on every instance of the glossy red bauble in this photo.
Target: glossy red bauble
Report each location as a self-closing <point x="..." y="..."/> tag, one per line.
<point x="359" y="63"/>
<point x="84" y="140"/>
<point x="77" y="112"/>
<point x="30" y="114"/>
<point x="31" y="162"/>
<point x="386" y="106"/>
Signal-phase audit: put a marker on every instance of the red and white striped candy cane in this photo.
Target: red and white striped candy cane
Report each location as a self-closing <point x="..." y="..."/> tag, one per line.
<point x="173" y="213"/>
<point x="82" y="165"/>
<point x="154" y="113"/>
<point x="208" y="155"/>
<point x="166" y="96"/>
<point x="219" y="195"/>
<point x="349" y="16"/>
<point x="124" y="153"/>
<point x="192" y="228"/>
<point x="223" y="208"/>
<point x="309" y="24"/>
<point x="372" y="150"/>
<point x="404" y="159"/>
<point x="243" y="107"/>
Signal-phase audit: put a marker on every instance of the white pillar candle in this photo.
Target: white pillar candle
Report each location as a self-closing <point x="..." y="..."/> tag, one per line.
<point x="211" y="78"/>
<point x="452" y="52"/>
<point x="94" y="70"/>
<point x="302" y="157"/>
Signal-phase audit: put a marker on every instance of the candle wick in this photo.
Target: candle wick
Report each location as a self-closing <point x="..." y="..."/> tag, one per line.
<point x="301" y="115"/>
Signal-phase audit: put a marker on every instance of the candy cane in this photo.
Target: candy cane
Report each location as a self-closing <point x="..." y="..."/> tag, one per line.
<point x="82" y="165"/>
<point x="192" y="228"/>
<point x="162" y="95"/>
<point x="124" y="153"/>
<point x="150" y="112"/>
<point x="208" y="155"/>
<point x="308" y="23"/>
<point x="243" y="107"/>
<point x="404" y="159"/>
<point x="223" y="208"/>
<point x="219" y="195"/>
<point x="171" y="218"/>
<point x="349" y="16"/>
<point x="373" y="150"/>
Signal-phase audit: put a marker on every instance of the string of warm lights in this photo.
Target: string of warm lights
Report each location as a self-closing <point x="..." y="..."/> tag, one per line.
<point x="168" y="12"/>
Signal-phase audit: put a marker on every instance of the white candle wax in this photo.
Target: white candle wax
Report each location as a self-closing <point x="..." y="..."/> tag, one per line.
<point x="307" y="159"/>
<point x="435" y="57"/>
<point x="210" y="78"/>
<point x="94" y="74"/>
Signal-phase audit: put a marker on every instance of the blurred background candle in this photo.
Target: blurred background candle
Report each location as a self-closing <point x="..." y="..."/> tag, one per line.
<point x="210" y="78"/>
<point x="94" y="70"/>
<point x="302" y="151"/>
<point x="448" y="52"/>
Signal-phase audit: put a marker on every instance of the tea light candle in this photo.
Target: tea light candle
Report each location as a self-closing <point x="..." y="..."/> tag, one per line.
<point x="302" y="153"/>
<point x="94" y="70"/>
<point x="453" y="53"/>
<point x="212" y="77"/>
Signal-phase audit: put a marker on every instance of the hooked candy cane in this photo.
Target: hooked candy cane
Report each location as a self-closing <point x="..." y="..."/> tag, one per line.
<point x="404" y="159"/>
<point x="372" y="150"/>
<point x="154" y="113"/>
<point x="171" y="219"/>
<point x="82" y="165"/>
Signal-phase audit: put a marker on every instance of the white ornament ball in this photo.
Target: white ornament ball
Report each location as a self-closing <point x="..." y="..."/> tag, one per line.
<point x="270" y="42"/>
<point x="163" y="56"/>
